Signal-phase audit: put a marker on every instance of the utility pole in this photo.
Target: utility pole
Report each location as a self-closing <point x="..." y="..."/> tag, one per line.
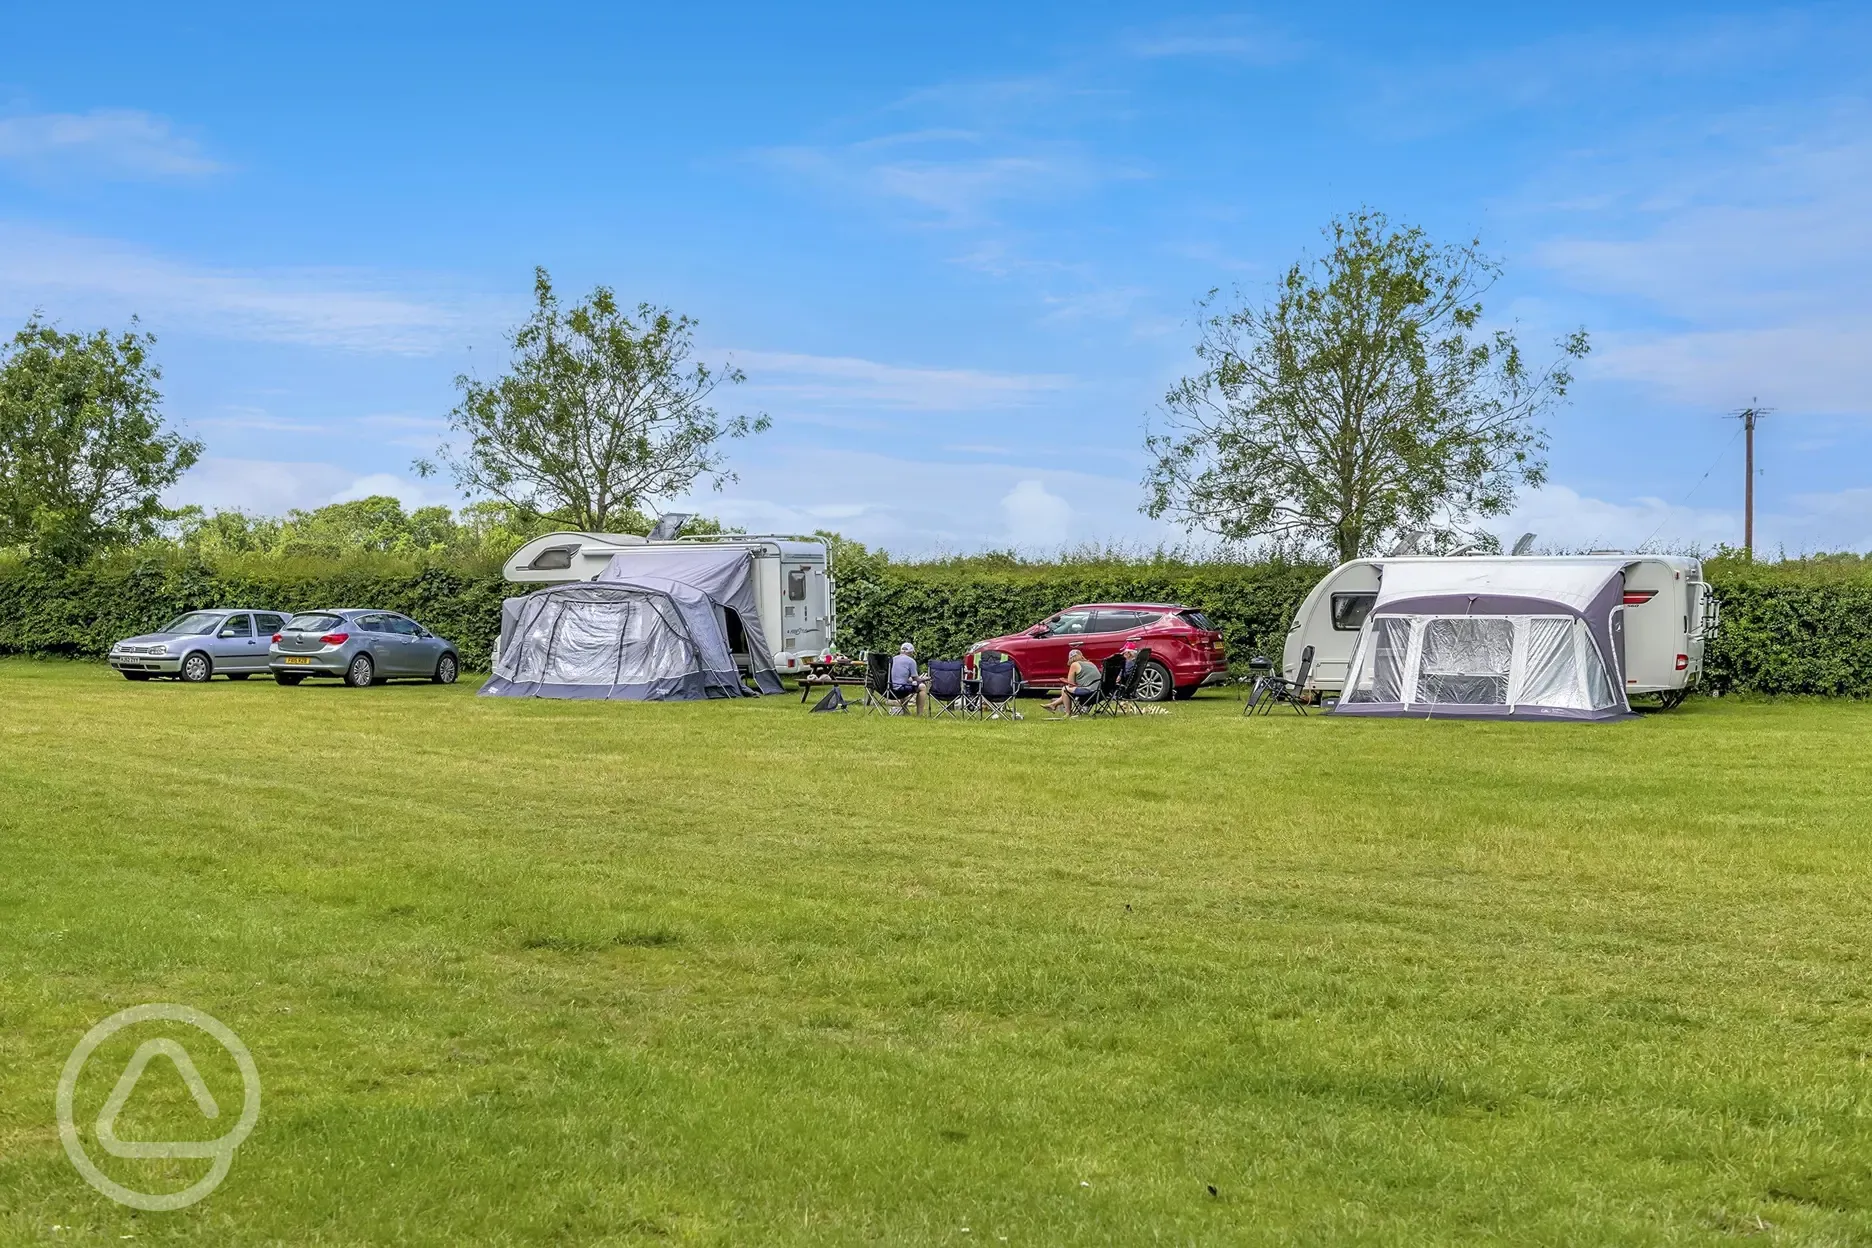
<point x="1749" y="415"/>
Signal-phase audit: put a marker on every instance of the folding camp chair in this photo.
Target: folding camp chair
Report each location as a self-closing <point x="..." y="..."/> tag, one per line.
<point x="880" y="698"/>
<point x="1111" y="681"/>
<point x="997" y="691"/>
<point x="1124" y="697"/>
<point x="945" y="689"/>
<point x="1271" y="690"/>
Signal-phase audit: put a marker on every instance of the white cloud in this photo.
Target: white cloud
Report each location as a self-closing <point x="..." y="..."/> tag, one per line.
<point x="1036" y="518"/>
<point x="1757" y="245"/>
<point x="845" y="380"/>
<point x="273" y="487"/>
<point x="951" y="180"/>
<point x="1230" y="39"/>
<point x="112" y="142"/>
<point x="918" y="507"/>
<point x="258" y="486"/>
<point x="412" y="494"/>
<point x="1561" y="517"/>
<point x="69" y="275"/>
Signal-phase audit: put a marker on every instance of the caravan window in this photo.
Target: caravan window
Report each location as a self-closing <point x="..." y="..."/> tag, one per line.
<point x="796" y="585"/>
<point x="553" y="559"/>
<point x="1349" y="610"/>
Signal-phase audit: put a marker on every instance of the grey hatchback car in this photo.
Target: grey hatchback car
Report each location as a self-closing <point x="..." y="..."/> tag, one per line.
<point x="196" y="645"/>
<point x="361" y="648"/>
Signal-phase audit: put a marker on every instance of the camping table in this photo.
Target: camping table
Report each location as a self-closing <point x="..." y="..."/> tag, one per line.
<point x="822" y="677"/>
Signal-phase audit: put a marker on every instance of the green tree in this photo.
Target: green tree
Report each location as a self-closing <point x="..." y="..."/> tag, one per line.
<point x="1364" y="400"/>
<point x="603" y="414"/>
<point x="84" y="458"/>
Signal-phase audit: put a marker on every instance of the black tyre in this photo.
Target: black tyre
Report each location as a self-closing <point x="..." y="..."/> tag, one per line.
<point x="197" y="668"/>
<point x="362" y="673"/>
<point x="239" y="675"/>
<point x="287" y="678"/>
<point x="1154" y="683"/>
<point x="136" y="675"/>
<point x="1185" y="692"/>
<point x="447" y="669"/>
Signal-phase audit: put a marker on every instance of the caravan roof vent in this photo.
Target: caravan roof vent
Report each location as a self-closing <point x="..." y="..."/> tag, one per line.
<point x="553" y="559"/>
<point x="1607" y="551"/>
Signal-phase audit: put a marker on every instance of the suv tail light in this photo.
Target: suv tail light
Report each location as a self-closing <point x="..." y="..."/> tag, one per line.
<point x="335" y="639"/>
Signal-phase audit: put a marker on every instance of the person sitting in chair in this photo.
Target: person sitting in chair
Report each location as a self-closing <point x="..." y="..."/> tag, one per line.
<point x="903" y="674"/>
<point x="1082" y="683"/>
<point x="1130" y="653"/>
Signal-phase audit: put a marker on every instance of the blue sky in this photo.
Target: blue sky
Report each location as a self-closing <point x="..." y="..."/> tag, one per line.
<point x="956" y="250"/>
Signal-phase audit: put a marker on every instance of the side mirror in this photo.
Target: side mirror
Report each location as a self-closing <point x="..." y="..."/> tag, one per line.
<point x="226" y="633"/>
<point x="1039" y="630"/>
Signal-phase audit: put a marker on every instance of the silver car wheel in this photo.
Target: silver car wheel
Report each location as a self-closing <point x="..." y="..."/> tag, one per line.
<point x="360" y="674"/>
<point x="1153" y="683"/>
<point x="196" y="669"/>
<point x="446" y="670"/>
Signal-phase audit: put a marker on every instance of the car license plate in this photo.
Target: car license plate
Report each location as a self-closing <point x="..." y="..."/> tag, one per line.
<point x="297" y="660"/>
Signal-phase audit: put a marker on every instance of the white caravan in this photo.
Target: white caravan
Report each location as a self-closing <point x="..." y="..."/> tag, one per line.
<point x="793" y="588"/>
<point x="1665" y="609"/>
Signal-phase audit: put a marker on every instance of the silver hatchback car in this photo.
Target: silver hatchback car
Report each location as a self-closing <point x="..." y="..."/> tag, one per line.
<point x="196" y="645"/>
<point x="361" y="648"/>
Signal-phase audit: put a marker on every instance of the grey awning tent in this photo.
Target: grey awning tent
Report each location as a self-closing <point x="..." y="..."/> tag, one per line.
<point x="1492" y="639"/>
<point x="655" y="625"/>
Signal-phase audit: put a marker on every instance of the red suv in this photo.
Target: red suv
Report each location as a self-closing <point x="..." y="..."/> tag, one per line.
<point x="1186" y="653"/>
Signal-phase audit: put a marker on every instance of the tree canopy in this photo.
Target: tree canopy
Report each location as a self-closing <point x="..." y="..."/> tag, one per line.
<point x="603" y="413"/>
<point x="84" y="457"/>
<point x="1364" y="399"/>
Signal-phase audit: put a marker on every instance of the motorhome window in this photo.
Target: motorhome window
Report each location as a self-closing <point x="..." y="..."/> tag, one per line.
<point x="796" y="585"/>
<point x="553" y="559"/>
<point x="1349" y="611"/>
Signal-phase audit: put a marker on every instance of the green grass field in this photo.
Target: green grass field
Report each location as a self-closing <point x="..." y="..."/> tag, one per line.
<point x="521" y="972"/>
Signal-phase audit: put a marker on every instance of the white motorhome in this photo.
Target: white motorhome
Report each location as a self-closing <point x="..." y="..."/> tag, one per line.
<point x="793" y="585"/>
<point x="1665" y="611"/>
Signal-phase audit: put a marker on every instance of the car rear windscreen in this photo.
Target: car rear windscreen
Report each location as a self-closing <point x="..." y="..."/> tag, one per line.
<point x="314" y="623"/>
<point x="1196" y="619"/>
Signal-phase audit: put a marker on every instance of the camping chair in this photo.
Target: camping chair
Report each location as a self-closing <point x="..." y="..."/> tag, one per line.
<point x="997" y="691"/>
<point x="1111" y="679"/>
<point x="945" y="689"/>
<point x="880" y="699"/>
<point x="1124" y="697"/>
<point x="1270" y="689"/>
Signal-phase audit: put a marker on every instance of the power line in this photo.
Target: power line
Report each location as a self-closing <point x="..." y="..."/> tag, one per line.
<point x="1714" y="465"/>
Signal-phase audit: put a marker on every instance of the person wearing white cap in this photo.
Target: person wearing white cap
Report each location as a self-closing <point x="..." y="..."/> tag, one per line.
<point x="903" y="674"/>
